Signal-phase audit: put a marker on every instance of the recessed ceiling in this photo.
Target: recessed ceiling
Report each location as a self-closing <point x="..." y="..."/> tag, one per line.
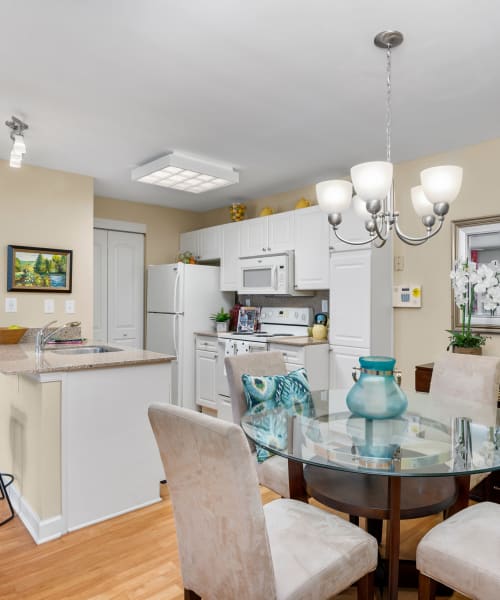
<point x="288" y="92"/>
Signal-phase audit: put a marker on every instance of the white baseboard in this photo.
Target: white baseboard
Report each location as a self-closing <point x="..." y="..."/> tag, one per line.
<point x="41" y="530"/>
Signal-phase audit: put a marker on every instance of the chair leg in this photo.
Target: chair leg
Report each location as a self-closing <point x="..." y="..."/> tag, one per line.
<point x="426" y="587"/>
<point x="190" y="595"/>
<point x="366" y="587"/>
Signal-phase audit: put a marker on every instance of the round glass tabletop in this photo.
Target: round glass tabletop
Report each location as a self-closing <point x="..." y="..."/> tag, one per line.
<point x="427" y="440"/>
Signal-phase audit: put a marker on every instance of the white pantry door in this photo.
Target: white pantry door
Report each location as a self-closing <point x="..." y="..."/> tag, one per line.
<point x="122" y="301"/>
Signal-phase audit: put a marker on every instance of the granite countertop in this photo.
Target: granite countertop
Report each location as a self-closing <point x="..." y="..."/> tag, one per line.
<point x="20" y="359"/>
<point x="211" y="333"/>
<point x="295" y="340"/>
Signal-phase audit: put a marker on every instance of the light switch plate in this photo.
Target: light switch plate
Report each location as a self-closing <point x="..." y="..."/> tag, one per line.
<point x="407" y="296"/>
<point x="324" y="306"/>
<point x="10" y="304"/>
<point x="49" y="305"/>
<point x="69" y="306"/>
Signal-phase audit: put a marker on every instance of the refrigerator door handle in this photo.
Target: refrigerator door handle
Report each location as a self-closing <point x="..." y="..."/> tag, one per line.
<point x="176" y="329"/>
<point x="176" y="289"/>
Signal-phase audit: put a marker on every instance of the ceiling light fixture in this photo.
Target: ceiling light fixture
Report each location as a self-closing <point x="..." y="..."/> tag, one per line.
<point x="185" y="173"/>
<point x="17" y="129"/>
<point x="374" y="186"/>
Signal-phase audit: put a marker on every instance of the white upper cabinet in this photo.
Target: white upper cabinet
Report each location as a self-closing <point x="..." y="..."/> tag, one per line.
<point x="312" y="253"/>
<point x="204" y="244"/>
<point x="230" y="243"/>
<point x="352" y="228"/>
<point x="267" y="235"/>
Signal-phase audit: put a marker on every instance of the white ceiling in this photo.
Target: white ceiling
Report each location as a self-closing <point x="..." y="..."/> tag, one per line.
<point x="289" y="92"/>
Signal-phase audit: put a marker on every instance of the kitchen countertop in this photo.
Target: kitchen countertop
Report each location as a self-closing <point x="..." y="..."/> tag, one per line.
<point x="296" y="340"/>
<point x="290" y="340"/>
<point x="20" y="359"/>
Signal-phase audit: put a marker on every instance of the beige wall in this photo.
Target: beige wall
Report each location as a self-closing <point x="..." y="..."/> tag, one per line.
<point x="51" y="209"/>
<point x="163" y="225"/>
<point x="278" y="202"/>
<point x="420" y="334"/>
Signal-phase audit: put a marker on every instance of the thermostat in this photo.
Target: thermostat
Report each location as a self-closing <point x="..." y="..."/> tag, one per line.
<point x="407" y="296"/>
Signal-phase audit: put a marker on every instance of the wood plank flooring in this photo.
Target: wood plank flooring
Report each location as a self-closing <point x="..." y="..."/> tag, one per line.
<point x="132" y="557"/>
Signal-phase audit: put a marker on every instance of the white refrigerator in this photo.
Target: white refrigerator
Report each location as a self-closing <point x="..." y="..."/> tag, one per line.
<point x="180" y="300"/>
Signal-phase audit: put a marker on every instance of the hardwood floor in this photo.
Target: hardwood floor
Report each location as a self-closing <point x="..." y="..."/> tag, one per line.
<point x="132" y="557"/>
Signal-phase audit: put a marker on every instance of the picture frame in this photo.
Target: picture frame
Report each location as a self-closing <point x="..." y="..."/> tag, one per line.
<point x="248" y="319"/>
<point x="34" y="269"/>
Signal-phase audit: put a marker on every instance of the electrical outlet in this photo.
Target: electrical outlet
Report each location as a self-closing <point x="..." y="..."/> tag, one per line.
<point x="10" y="304"/>
<point x="69" y="307"/>
<point x="49" y="306"/>
<point x="324" y="306"/>
<point x="247" y="302"/>
<point x="399" y="263"/>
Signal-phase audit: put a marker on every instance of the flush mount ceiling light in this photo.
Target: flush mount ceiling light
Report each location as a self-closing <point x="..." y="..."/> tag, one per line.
<point x="185" y="173"/>
<point x="374" y="186"/>
<point x="17" y="129"/>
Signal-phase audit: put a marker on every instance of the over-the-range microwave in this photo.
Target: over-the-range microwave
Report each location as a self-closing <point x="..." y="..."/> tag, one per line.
<point x="268" y="274"/>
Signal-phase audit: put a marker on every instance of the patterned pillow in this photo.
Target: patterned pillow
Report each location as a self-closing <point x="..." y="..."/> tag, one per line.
<point x="289" y="392"/>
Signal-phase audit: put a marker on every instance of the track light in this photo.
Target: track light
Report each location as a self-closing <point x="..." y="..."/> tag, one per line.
<point x="17" y="129"/>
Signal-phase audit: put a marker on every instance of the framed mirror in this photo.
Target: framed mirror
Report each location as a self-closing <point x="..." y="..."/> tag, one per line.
<point x="477" y="241"/>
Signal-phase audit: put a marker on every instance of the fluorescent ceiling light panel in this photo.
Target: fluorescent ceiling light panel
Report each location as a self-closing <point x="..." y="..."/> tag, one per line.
<point x="186" y="173"/>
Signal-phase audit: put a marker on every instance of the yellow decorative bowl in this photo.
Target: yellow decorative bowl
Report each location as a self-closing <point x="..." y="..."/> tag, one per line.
<point x="11" y="336"/>
<point x="302" y="203"/>
<point x="237" y="211"/>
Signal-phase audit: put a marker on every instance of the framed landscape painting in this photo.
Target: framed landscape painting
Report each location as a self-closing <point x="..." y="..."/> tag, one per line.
<point x="31" y="269"/>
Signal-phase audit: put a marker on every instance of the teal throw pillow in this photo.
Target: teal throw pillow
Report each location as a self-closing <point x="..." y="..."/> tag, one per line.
<point x="289" y="392"/>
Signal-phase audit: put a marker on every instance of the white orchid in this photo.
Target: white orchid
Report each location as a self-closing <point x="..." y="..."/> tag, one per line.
<point x="474" y="284"/>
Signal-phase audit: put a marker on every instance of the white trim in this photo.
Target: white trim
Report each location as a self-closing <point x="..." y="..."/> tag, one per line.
<point x="41" y="530"/>
<point x="120" y="225"/>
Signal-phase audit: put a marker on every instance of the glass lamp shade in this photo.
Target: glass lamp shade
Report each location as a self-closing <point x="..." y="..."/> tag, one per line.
<point x="334" y="196"/>
<point x="441" y="184"/>
<point x="359" y="206"/>
<point x="421" y="205"/>
<point x="372" y="180"/>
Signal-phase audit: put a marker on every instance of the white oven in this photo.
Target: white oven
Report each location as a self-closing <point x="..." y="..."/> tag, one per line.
<point x="270" y="274"/>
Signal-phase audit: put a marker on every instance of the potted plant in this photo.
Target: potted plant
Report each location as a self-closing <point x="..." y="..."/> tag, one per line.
<point x="221" y="319"/>
<point x="471" y="283"/>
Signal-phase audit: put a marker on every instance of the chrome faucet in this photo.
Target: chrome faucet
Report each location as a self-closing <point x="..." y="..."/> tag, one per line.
<point x="43" y="336"/>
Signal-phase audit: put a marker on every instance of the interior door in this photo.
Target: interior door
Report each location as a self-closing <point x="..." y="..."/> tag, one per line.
<point x="126" y="288"/>
<point x="100" y="333"/>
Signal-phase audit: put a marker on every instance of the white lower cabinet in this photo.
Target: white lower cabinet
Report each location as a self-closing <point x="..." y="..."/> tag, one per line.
<point x="314" y="358"/>
<point x="206" y="361"/>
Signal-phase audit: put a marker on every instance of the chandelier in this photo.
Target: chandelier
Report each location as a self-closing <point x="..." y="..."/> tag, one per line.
<point x="374" y="187"/>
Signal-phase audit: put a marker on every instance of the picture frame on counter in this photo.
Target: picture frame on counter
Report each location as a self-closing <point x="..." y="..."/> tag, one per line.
<point x="35" y="269"/>
<point x="248" y="319"/>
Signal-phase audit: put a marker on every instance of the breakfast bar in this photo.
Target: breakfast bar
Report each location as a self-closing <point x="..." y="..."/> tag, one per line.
<point x="75" y="434"/>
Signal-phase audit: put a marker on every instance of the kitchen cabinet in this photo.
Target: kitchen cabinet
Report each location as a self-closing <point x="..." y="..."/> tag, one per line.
<point x="204" y="244"/>
<point x="314" y="358"/>
<point x="352" y="228"/>
<point x="312" y="254"/>
<point x="118" y="287"/>
<point x="361" y="320"/>
<point x="205" y="369"/>
<point x="230" y="243"/>
<point x="267" y="235"/>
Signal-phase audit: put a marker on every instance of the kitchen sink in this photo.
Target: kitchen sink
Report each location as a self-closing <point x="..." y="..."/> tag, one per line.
<point x="85" y="350"/>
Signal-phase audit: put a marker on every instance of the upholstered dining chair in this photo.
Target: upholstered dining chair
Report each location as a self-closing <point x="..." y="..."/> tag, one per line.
<point x="273" y="472"/>
<point x="463" y="552"/>
<point x="230" y="546"/>
<point x="469" y="385"/>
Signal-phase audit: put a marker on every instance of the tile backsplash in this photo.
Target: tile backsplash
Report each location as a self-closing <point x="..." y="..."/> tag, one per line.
<point x="313" y="302"/>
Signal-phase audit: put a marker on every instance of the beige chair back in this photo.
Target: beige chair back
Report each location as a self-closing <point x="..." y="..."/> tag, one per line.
<point x="221" y="533"/>
<point x="252" y="363"/>
<point x="468" y="384"/>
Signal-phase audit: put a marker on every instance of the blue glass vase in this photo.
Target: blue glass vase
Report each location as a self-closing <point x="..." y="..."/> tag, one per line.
<point x="376" y="394"/>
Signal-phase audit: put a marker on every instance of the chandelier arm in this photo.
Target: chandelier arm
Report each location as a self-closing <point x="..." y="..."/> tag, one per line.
<point x="381" y="232"/>
<point x="351" y="243"/>
<point x="416" y="241"/>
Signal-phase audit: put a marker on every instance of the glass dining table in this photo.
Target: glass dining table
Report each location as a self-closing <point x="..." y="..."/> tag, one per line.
<point x="434" y="438"/>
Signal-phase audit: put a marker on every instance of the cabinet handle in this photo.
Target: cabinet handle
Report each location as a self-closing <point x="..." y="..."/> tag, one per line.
<point x="269" y="249"/>
<point x="263" y="249"/>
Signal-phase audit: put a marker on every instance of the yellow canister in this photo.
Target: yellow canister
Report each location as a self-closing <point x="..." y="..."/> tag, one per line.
<point x="319" y="332"/>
